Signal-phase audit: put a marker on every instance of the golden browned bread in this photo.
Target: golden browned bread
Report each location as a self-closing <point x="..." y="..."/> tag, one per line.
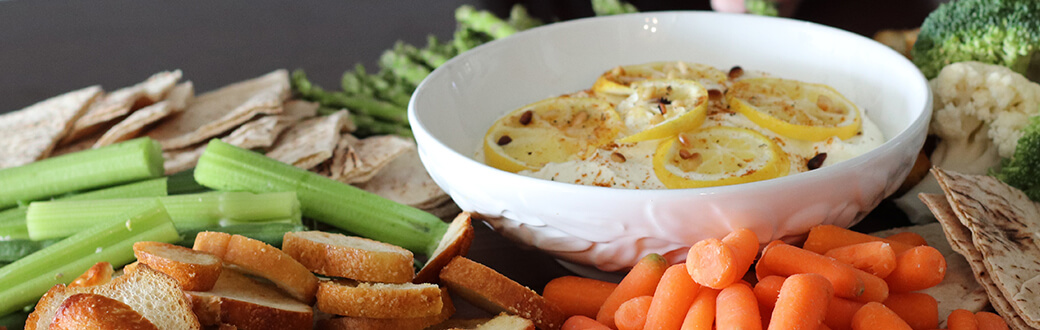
<point x="379" y="300"/>
<point x="455" y="242"/>
<point x="411" y="323"/>
<point x="244" y="303"/>
<point x="350" y="257"/>
<point x="496" y="293"/>
<point x="98" y="274"/>
<point x="154" y="295"/>
<point x="501" y="322"/>
<point x="194" y="270"/>
<point x="260" y="259"/>
<point x="92" y="311"/>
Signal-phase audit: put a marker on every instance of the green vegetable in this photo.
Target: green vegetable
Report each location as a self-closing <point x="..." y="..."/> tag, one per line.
<point x="466" y="39"/>
<point x="118" y="163"/>
<point x="483" y="21"/>
<point x="520" y="19"/>
<point x="183" y="182"/>
<point x="26" y="280"/>
<point x="270" y="233"/>
<point x="355" y="103"/>
<point x="1022" y="170"/>
<point x="1002" y="32"/>
<point x="226" y="167"/>
<point x="402" y="64"/>
<point x="12" y="221"/>
<point x="12" y="250"/>
<point x="612" y="7"/>
<point x="436" y="54"/>
<point x="368" y="126"/>
<point x="14" y="320"/>
<point x="762" y="7"/>
<point x="59" y="219"/>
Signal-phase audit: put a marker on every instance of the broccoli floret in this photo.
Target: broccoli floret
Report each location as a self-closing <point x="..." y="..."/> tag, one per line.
<point x="1001" y="32"/>
<point x="1022" y="170"/>
<point x="762" y="7"/>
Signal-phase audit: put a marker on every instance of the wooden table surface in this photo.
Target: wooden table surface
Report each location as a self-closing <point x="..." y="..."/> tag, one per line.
<point x="50" y="47"/>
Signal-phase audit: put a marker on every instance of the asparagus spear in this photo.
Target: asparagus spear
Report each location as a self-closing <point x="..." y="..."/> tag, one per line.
<point x="520" y="19"/>
<point x="354" y="103"/>
<point x="612" y="7"/>
<point x="483" y="21"/>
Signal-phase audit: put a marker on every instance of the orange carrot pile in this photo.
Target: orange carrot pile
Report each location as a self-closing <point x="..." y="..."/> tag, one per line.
<point x="840" y="280"/>
<point x="641" y="281"/>
<point x="578" y="295"/>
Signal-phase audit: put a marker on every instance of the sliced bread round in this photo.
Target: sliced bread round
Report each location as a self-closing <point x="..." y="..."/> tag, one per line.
<point x="350" y="257"/>
<point x="194" y="270"/>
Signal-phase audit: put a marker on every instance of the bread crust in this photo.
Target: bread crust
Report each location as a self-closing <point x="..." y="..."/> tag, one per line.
<point x="245" y="303"/>
<point x="260" y="259"/>
<point x="412" y="323"/>
<point x="379" y="300"/>
<point x="496" y="293"/>
<point x="92" y="311"/>
<point x="193" y="275"/>
<point x="98" y="274"/>
<point x="456" y="242"/>
<point x="350" y="257"/>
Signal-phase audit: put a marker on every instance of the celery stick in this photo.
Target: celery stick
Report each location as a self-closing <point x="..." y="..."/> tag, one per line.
<point x="26" y="280"/>
<point x="12" y="221"/>
<point x="270" y="233"/>
<point x="12" y="250"/>
<point x="57" y="219"/>
<point x="183" y="182"/>
<point x="226" y="167"/>
<point x="118" y="163"/>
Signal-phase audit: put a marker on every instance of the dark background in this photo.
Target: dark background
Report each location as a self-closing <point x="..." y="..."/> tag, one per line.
<point x="51" y="47"/>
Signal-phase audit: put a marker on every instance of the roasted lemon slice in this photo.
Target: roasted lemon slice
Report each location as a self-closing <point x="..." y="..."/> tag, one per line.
<point x="553" y="130"/>
<point x="795" y="109"/>
<point x="660" y="108"/>
<point x="718" y="156"/>
<point x="618" y="81"/>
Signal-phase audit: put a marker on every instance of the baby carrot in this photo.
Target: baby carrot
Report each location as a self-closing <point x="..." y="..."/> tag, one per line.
<point x="798" y="306"/>
<point x="919" y="310"/>
<point x="701" y="315"/>
<point x="840" y="312"/>
<point x="672" y="299"/>
<point x="908" y="238"/>
<point x="919" y="268"/>
<point x="874" y="288"/>
<point x="640" y="281"/>
<point x="876" y="258"/>
<point x="718" y="263"/>
<point x="582" y="322"/>
<point x="778" y="258"/>
<point x="737" y="309"/>
<point x="962" y="319"/>
<point x="767" y="290"/>
<point x="631" y="315"/>
<point x="578" y="295"/>
<point x="822" y="238"/>
<point x="874" y="315"/>
<point x="990" y="321"/>
<point x="824" y="327"/>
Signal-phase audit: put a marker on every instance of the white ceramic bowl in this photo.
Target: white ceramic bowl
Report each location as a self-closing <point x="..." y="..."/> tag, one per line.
<point x="612" y="228"/>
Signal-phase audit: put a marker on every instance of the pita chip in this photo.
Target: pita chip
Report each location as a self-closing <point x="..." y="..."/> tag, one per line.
<point x="130" y="127"/>
<point x="31" y="133"/>
<point x="181" y="159"/>
<point x="357" y="161"/>
<point x="262" y="132"/>
<point x="219" y="111"/>
<point x="406" y="181"/>
<point x="959" y="289"/>
<point x="1004" y="227"/>
<point x="310" y="142"/>
<point x="121" y="102"/>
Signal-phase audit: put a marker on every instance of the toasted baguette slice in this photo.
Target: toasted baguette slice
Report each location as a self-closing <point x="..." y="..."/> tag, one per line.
<point x="260" y="259"/>
<point x="194" y="270"/>
<point x="81" y="311"/>
<point x="379" y="300"/>
<point x="98" y="274"/>
<point x="455" y="242"/>
<point x="154" y="295"/>
<point x="411" y="323"/>
<point x="496" y="293"/>
<point x="242" y="302"/>
<point x="350" y="257"/>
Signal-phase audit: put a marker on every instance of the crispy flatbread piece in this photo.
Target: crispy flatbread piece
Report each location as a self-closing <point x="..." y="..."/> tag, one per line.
<point x="405" y="181"/>
<point x="121" y="102"/>
<point x="357" y="161"/>
<point x="176" y="100"/>
<point x="959" y="289"/>
<point x="262" y="132"/>
<point x="1004" y="226"/>
<point x="31" y="133"/>
<point x="310" y="142"/>
<point x="221" y="110"/>
<point x="182" y="159"/>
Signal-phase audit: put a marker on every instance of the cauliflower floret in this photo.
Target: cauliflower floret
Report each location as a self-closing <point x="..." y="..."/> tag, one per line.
<point x="977" y="98"/>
